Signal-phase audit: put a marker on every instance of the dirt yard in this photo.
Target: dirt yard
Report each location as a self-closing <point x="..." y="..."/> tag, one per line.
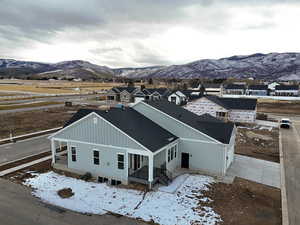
<point x="32" y="121"/>
<point x="261" y="144"/>
<point x="284" y="107"/>
<point x="246" y="203"/>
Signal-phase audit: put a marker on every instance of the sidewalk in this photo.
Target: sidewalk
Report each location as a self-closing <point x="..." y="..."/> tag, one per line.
<point x="14" y="169"/>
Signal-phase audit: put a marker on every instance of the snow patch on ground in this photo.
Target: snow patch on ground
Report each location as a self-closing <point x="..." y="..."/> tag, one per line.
<point x="181" y="207"/>
<point x="177" y="182"/>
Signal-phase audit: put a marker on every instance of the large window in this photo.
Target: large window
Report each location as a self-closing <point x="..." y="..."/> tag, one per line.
<point x="169" y="155"/>
<point x="121" y="161"/>
<point x="73" y="153"/>
<point x="96" y="157"/>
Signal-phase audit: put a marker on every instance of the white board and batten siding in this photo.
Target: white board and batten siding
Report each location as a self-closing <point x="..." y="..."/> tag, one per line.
<point x="205" y="154"/>
<point x="95" y="133"/>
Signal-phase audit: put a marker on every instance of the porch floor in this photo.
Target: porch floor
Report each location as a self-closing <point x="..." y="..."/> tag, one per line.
<point x="143" y="173"/>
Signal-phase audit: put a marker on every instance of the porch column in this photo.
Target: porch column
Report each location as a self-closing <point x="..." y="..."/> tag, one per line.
<point x="53" y="150"/>
<point x="150" y="178"/>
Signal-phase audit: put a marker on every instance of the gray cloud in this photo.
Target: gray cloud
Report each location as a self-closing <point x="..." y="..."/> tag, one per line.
<point x="128" y="23"/>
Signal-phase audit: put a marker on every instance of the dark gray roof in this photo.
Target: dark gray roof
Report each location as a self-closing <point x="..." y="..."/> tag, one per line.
<point x="212" y="85"/>
<point x="206" y="124"/>
<point x="287" y="87"/>
<point x="258" y="87"/>
<point x="161" y="91"/>
<point x="234" y="103"/>
<point x="134" y="124"/>
<point x="120" y="89"/>
<point x="235" y="86"/>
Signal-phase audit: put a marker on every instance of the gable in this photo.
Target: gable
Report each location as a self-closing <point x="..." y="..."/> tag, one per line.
<point x="102" y="132"/>
<point x="207" y="104"/>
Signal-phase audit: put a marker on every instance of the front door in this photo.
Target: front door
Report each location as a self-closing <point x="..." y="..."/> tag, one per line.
<point x="185" y="157"/>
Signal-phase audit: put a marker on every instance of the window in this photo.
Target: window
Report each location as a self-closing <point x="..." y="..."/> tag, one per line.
<point x="175" y="152"/>
<point x="115" y="182"/>
<point x="102" y="179"/>
<point x="73" y="153"/>
<point x="169" y="155"/>
<point x="121" y="161"/>
<point x="96" y="158"/>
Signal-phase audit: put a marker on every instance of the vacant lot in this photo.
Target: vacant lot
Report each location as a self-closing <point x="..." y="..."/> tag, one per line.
<point x="284" y="107"/>
<point x="26" y="105"/>
<point x="258" y="143"/>
<point x="31" y="121"/>
<point x="246" y="203"/>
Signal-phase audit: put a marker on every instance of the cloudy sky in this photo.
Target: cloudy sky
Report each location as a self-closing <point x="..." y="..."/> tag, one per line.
<point x="123" y="33"/>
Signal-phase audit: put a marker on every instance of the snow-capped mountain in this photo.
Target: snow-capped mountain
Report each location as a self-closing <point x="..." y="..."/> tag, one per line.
<point x="137" y="72"/>
<point x="282" y="66"/>
<point x="262" y="66"/>
<point x="66" y="69"/>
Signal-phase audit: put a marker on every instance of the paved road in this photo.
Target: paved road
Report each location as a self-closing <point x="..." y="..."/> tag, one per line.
<point x="19" y="207"/>
<point x="55" y="98"/>
<point x="291" y="157"/>
<point x="20" y="149"/>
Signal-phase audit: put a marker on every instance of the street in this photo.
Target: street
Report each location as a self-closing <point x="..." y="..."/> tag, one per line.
<point x="20" y="149"/>
<point x="19" y="207"/>
<point x="291" y="157"/>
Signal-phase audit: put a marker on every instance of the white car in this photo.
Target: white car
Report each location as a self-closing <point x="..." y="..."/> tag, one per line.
<point x="285" y="123"/>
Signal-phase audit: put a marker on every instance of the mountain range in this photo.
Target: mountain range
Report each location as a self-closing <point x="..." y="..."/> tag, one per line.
<point x="274" y="66"/>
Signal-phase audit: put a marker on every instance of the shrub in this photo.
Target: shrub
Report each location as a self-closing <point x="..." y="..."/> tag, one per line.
<point x="86" y="177"/>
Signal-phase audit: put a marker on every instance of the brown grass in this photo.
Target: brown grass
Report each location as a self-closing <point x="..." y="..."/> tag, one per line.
<point x="280" y="107"/>
<point x="21" y="106"/>
<point x="37" y="120"/>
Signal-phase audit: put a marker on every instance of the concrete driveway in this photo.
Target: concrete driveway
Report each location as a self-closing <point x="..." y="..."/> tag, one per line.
<point x="257" y="170"/>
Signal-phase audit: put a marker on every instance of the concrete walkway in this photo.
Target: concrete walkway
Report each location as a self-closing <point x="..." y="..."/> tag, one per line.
<point x="257" y="170"/>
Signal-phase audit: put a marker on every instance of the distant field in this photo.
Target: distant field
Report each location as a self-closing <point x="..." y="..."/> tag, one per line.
<point x="28" y="122"/>
<point x="3" y="94"/>
<point x="284" y="107"/>
<point x="54" y="87"/>
<point x="20" y="106"/>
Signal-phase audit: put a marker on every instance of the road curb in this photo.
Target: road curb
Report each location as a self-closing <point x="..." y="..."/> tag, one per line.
<point x="284" y="207"/>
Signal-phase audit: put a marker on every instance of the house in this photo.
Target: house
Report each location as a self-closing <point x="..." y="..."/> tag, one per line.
<point x="123" y="94"/>
<point x="234" y="89"/>
<point x="227" y="109"/>
<point x="146" y="143"/>
<point x="195" y="87"/>
<point x="272" y="85"/>
<point x="150" y="94"/>
<point x="257" y="90"/>
<point x="178" y="98"/>
<point x="213" y="89"/>
<point x="287" y="90"/>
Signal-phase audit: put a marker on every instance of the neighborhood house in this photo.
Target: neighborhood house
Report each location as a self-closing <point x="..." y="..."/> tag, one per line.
<point x="287" y="90"/>
<point x="234" y="89"/>
<point x="146" y="143"/>
<point x="258" y="90"/>
<point x="227" y="109"/>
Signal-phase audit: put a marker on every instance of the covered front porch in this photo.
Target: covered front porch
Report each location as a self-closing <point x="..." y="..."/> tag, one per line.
<point x="149" y="170"/>
<point x="59" y="151"/>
